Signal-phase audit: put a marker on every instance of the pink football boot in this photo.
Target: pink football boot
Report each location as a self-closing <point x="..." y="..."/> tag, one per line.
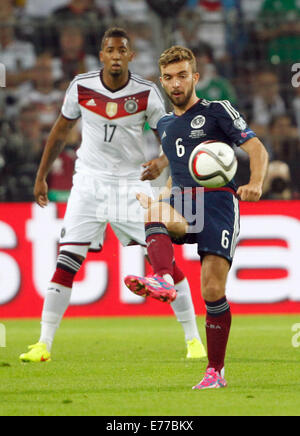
<point x="211" y="380"/>
<point x="152" y="286"/>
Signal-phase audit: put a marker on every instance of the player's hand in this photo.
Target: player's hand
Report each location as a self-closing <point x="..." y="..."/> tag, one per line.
<point x="153" y="169"/>
<point x="144" y="200"/>
<point x="41" y="193"/>
<point x="250" y="192"/>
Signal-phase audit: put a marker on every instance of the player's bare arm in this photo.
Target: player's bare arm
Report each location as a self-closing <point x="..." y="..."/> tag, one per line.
<point x="155" y="167"/>
<point x="55" y="145"/>
<point x="258" y="167"/>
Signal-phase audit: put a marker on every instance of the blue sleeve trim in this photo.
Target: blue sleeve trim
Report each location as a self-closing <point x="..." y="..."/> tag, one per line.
<point x="242" y="141"/>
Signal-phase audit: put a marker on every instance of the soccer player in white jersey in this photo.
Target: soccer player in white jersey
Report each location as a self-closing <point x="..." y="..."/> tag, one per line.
<point x="114" y="106"/>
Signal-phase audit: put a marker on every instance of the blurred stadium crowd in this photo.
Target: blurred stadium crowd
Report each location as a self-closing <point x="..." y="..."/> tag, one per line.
<point x="245" y="51"/>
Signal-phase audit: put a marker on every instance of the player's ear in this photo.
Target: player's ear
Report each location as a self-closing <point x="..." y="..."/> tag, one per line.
<point x="131" y="56"/>
<point x="196" y="77"/>
<point x="101" y="55"/>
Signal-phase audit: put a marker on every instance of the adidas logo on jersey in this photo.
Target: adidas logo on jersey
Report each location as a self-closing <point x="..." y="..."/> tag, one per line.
<point x="164" y="135"/>
<point x="91" y="103"/>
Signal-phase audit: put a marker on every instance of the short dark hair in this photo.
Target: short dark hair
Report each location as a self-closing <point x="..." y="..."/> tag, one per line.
<point x="115" y="32"/>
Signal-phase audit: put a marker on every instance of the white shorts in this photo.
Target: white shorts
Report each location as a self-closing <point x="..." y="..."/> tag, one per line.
<point x="94" y="203"/>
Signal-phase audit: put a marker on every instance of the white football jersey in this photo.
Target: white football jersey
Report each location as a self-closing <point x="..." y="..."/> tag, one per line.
<point x="113" y="122"/>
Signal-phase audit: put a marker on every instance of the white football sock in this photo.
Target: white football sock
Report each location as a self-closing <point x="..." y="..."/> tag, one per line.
<point x="184" y="310"/>
<point x="169" y="279"/>
<point x="56" y="303"/>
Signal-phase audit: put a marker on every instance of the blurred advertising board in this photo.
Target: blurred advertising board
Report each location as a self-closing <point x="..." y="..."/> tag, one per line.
<point x="264" y="277"/>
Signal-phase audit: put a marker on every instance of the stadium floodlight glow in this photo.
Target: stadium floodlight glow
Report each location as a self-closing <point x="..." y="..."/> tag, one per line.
<point x="2" y="76"/>
<point x="2" y="336"/>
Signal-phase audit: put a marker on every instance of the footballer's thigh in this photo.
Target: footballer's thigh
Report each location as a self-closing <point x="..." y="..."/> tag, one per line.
<point x="82" y="230"/>
<point x="128" y="222"/>
<point x="132" y="226"/>
<point x="163" y="212"/>
<point x="217" y="243"/>
<point x="221" y="226"/>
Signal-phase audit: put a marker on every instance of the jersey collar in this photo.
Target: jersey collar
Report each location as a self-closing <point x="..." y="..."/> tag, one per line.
<point x="190" y="109"/>
<point x="114" y="90"/>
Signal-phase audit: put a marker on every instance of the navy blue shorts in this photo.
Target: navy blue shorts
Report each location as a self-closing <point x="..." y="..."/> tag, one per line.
<point x="220" y="220"/>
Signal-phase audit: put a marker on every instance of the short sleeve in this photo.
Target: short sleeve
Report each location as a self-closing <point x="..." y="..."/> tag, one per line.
<point x="232" y="123"/>
<point x="156" y="107"/>
<point x="71" y="108"/>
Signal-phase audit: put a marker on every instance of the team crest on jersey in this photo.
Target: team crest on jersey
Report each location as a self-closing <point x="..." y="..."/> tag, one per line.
<point x="198" y="122"/>
<point x="131" y="106"/>
<point x="111" y="109"/>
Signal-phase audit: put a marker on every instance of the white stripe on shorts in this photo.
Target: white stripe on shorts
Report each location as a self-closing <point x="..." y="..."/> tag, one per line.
<point x="236" y="228"/>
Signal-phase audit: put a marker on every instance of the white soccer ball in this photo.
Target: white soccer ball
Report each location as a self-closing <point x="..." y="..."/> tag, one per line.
<point x="213" y="164"/>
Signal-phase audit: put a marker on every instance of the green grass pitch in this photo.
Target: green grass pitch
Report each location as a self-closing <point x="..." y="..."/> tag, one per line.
<point x="137" y="367"/>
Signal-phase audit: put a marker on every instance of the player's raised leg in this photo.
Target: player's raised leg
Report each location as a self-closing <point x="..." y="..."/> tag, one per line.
<point x="160" y="220"/>
<point x="218" y="319"/>
<point x="56" y="302"/>
<point x="183" y="306"/>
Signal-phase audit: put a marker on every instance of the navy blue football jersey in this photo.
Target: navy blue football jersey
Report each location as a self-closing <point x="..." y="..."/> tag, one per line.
<point x="206" y="120"/>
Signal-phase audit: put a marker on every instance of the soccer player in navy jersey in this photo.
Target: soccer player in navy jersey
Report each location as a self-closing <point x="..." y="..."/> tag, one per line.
<point x="195" y="121"/>
<point x="113" y="105"/>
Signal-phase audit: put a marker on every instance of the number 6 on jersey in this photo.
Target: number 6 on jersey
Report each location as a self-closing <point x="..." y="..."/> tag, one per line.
<point x="180" y="148"/>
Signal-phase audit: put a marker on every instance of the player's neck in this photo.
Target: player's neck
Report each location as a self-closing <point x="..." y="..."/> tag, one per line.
<point x="180" y="110"/>
<point x="114" y="82"/>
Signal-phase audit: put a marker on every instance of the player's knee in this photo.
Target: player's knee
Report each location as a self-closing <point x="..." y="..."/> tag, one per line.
<point x="68" y="265"/>
<point x="80" y="259"/>
<point x="212" y="291"/>
<point x="68" y="257"/>
<point x="148" y="216"/>
<point x="161" y="213"/>
<point x="155" y="213"/>
<point x="177" y="229"/>
<point x="79" y="252"/>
